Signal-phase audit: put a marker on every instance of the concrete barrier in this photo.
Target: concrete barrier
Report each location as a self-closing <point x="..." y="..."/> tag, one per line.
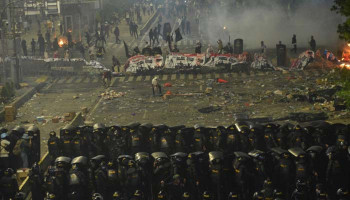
<point x="149" y="23"/>
<point x="23" y="99"/>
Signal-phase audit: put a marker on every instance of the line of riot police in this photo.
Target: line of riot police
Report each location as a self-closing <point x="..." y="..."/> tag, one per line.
<point x="242" y="161"/>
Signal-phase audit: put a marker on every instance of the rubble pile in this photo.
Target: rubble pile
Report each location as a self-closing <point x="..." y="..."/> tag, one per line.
<point x="109" y="95"/>
<point x="261" y="63"/>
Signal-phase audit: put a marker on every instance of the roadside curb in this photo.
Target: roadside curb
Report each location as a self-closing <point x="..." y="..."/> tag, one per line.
<point x="23" y="99"/>
<point x="149" y="23"/>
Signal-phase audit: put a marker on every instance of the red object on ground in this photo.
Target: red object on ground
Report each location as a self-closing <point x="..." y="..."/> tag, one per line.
<point x="167" y="85"/>
<point x="222" y="80"/>
<point x="169" y="92"/>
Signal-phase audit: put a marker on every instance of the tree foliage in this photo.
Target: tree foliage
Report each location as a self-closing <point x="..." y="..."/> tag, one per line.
<point x="342" y="7"/>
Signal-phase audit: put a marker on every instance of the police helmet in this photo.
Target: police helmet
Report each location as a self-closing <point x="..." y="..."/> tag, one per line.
<point x="63" y="162"/>
<point x="258" y="195"/>
<point x="232" y="195"/>
<point x="300" y="185"/>
<point x="9" y="172"/>
<point x="50" y="196"/>
<point x="161" y="195"/>
<point x="52" y="134"/>
<point x="341" y="192"/>
<point x="3" y="130"/>
<point x="206" y="195"/>
<point x="97" y="196"/>
<point x="33" y="129"/>
<point x="198" y="127"/>
<point x="138" y="193"/>
<point x="35" y="168"/>
<point x="331" y="150"/>
<point x="98" y="126"/>
<point x="19" y="129"/>
<point x="186" y="196"/>
<point x="20" y="196"/>
<point x="116" y="195"/>
<point x="231" y="128"/>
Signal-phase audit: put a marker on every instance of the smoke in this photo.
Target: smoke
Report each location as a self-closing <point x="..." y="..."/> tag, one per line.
<point x="272" y="22"/>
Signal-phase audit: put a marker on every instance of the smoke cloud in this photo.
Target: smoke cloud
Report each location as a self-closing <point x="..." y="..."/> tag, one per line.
<point x="272" y="22"/>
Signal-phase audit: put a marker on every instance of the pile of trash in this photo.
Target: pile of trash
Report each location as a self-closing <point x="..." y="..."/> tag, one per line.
<point x="261" y="63"/>
<point x="109" y="95"/>
<point x="304" y="59"/>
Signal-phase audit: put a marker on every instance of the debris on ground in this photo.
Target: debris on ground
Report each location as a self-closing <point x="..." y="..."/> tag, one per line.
<point x="109" y="95"/>
<point x="209" y="109"/>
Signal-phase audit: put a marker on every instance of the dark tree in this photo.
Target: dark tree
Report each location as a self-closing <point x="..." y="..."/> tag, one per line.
<point x="342" y="7"/>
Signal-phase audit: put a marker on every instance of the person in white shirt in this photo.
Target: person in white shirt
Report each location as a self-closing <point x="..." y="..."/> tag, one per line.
<point x="4" y="151"/>
<point x="155" y="84"/>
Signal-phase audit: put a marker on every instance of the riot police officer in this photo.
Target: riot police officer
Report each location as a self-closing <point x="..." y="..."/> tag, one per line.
<point x="94" y="165"/>
<point x="199" y="139"/>
<point x="20" y="196"/>
<point x="166" y="140"/>
<point x="117" y="142"/>
<point x="79" y="144"/>
<point x="301" y="191"/>
<point x="62" y="167"/>
<point x="123" y="166"/>
<point x="318" y="163"/>
<point x="144" y="167"/>
<point x="101" y="179"/>
<point x="99" y="140"/>
<point x="145" y="131"/>
<point x="136" y="139"/>
<point x="50" y="183"/>
<point x="54" y="145"/>
<point x="179" y="165"/>
<point x="232" y="140"/>
<point x="78" y="178"/>
<point x="243" y="129"/>
<point x="270" y="135"/>
<point x="161" y="170"/>
<point x="198" y="171"/>
<point x="300" y="138"/>
<point x="183" y="139"/>
<point x="243" y="174"/>
<point x="320" y="192"/>
<point x="175" y="188"/>
<point x="133" y="180"/>
<point x="284" y="171"/>
<point x="8" y="184"/>
<point x="263" y="167"/>
<point x="66" y="136"/>
<point x="256" y="137"/>
<point x="336" y="173"/>
<point x="302" y="166"/>
<point x="112" y="181"/>
<point x="215" y="165"/>
<point x="218" y="138"/>
<point x="36" y="182"/>
<point x="34" y="135"/>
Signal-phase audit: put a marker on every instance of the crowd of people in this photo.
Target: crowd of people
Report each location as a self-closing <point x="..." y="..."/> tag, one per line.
<point x="241" y="161"/>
